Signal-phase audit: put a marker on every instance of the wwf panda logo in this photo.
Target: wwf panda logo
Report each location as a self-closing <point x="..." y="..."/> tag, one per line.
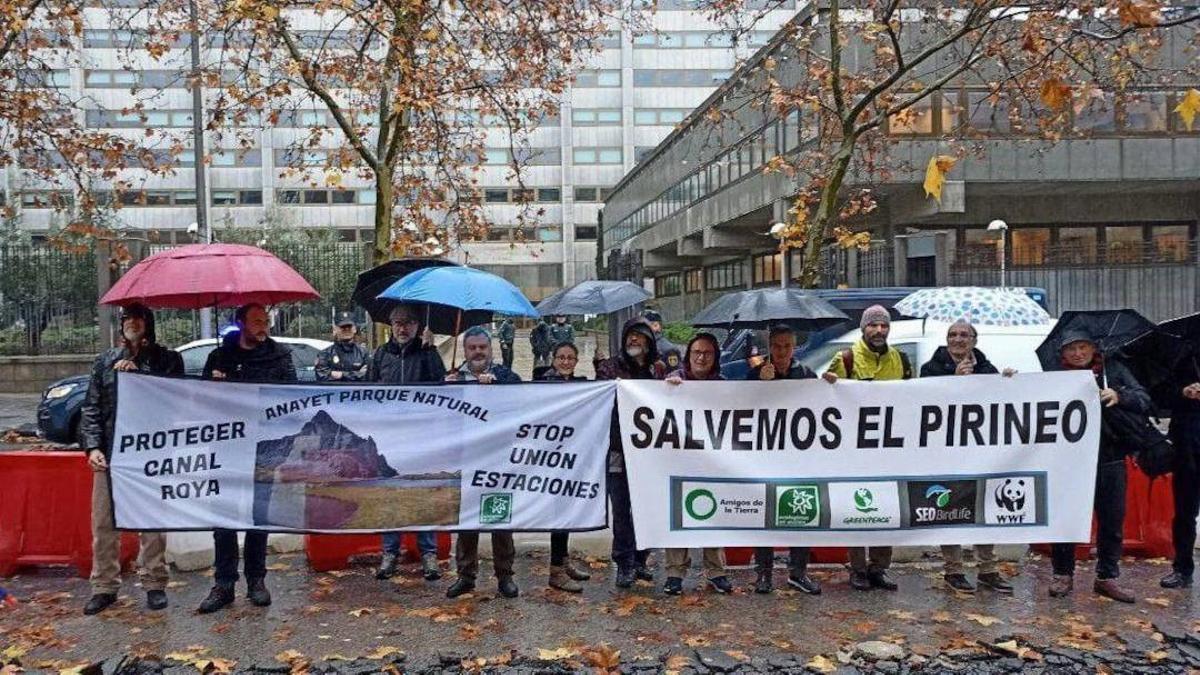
<point x="1010" y="495"/>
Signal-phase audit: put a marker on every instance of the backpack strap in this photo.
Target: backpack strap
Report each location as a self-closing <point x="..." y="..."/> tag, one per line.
<point x="848" y="362"/>
<point x="905" y="365"/>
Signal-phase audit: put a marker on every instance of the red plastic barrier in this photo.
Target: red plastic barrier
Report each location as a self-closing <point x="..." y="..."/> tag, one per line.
<point x="333" y="551"/>
<point x="1149" y="508"/>
<point x="46" y="513"/>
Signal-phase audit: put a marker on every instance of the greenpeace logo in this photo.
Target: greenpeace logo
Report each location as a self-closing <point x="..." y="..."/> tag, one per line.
<point x="866" y="520"/>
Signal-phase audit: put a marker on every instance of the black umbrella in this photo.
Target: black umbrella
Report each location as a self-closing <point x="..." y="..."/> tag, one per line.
<point x="1109" y="329"/>
<point x="378" y="279"/>
<point x="764" y="307"/>
<point x="593" y="297"/>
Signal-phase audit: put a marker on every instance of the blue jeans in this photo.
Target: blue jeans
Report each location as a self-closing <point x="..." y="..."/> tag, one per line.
<point x="426" y="542"/>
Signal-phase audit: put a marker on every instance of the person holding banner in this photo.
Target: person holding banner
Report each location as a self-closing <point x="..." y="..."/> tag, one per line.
<point x="479" y="368"/>
<point x="246" y="355"/>
<point x="140" y="353"/>
<point x="638" y="360"/>
<point x="565" y="575"/>
<point x="870" y="359"/>
<point x="1185" y="432"/>
<point x="781" y="365"/>
<point x="700" y="364"/>
<point x="960" y="357"/>
<point x="1118" y="391"/>
<point x="407" y="359"/>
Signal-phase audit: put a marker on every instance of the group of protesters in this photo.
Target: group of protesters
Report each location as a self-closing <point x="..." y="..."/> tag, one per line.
<point x="410" y="357"/>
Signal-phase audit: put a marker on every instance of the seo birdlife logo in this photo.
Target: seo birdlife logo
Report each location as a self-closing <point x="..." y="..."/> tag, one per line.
<point x="949" y="502"/>
<point x="718" y="505"/>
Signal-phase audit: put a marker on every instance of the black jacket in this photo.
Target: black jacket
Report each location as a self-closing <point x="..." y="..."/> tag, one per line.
<point x="796" y="371"/>
<point x="621" y="366"/>
<point x="348" y="357"/>
<point x="1120" y="425"/>
<point x="502" y="373"/>
<point x="98" y="415"/>
<point x="943" y="364"/>
<point x="270" y="361"/>
<point x="413" y="363"/>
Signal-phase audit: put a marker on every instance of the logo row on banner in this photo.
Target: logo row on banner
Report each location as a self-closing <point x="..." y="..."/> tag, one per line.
<point x="833" y="504"/>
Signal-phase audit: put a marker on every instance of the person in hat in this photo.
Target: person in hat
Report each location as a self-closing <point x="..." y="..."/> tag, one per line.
<point x="661" y="343"/>
<point x="561" y="331"/>
<point x="345" y="360"/>
<point x="871" y="358"/>
<point x="1118" y="390"/>
<point x="139" y="352"/>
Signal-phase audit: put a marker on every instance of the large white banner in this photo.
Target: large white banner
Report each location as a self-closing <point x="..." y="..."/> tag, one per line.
<point x="948" y="460"/>
<point x="192" y="454"/>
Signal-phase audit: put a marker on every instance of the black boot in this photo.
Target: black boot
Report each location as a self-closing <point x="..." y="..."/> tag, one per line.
<point x="462" y="586"/>
<point x="507" y="587"/>
<point x="959" y="583"/>
<point x="218" y="598"/>
<point x="256" y="590"/>
<point x="1176" y="580"/>
<point x="880" y="579"/>
<point x="156" y="600"/>
<point x="98" y="603"/>
<point x="762" y="584"/>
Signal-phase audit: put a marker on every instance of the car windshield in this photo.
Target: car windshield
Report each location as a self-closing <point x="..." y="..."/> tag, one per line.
<point x="194" y="357"/>
<point x="818" y="359"/>
<point x="304" y="356"/>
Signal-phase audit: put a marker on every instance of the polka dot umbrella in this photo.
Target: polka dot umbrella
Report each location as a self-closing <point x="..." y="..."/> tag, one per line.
<point x="980" y="305"/>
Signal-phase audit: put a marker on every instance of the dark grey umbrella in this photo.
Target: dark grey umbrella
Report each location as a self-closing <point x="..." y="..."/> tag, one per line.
<point x="764" y="307"/>
<point x="1108" y="329"/>
<point x="593" y="297"/>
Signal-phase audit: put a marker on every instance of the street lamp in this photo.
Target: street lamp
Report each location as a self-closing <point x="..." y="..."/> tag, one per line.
<point x="785" y="254"/>
<point x="1001" y="227"/>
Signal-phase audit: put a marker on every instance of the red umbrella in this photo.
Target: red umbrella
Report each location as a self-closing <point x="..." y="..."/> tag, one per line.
<point x="209" y="275"/>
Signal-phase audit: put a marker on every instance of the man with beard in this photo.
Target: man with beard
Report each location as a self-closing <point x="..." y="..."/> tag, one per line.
<point x="871" y="359"/>
<point x="638" y="360"/>
<point x="345" y="360"/>
<point x="407" y="359"/>
<point x="248" y="355"/>
<point x="140" y="353"/>
<point x="478" y="367"/>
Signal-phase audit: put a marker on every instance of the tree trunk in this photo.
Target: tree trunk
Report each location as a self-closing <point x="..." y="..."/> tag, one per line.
<point x="826" y="216"/>
<point x="384" y="197"/>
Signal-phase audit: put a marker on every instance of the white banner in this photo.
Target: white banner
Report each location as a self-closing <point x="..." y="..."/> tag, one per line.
<point x="192" y="454"/>
<point x="947" y="460"/>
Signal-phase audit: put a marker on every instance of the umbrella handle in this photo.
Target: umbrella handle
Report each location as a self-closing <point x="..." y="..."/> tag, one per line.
<point x="454" y="347"/>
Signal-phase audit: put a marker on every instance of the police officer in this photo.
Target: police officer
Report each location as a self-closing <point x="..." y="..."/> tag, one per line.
<point x="345" y="360"/>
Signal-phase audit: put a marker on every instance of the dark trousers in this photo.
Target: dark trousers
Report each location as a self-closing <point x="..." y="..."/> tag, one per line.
<point x="558" y="547"/>
<point x="466" y="554"/>
<point x="764" y="559"/>
<point x="1110" y="523"/>
<point x="1187" y="505"/>
<point x="226" y="544"/>
<point x="870" y="559"/>
<point x="625" y="552"/>
<point x="506" y="354"/>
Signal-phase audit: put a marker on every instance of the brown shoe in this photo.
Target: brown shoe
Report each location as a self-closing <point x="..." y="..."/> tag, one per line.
<point x="1109" y="589"/>
<point x="577" y="571"/>
<point x="1061" y="585"/>
<point x="562" y="581"/>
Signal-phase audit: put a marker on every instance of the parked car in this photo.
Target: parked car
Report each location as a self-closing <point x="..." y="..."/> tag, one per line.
<point x="736" y="346"/>
<point x="58" y="411"/>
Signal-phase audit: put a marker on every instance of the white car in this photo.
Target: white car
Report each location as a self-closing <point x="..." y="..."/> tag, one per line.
<point x="304" y="355"/>
<point x="1004" y="346"/>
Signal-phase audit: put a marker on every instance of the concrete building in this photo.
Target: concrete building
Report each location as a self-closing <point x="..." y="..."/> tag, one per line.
<point x="1104" y="217"/>
<point x="622" y="105"/>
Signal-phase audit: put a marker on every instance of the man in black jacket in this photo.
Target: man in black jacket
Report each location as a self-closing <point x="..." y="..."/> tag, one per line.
<point x="960" y="357"/>
<point x="140" y="353"/>
<point x="782" y="366"/>
<point x="345" y="360"/>
<point x="248" y="355"/>
<point x="406" y="359"/>
<point x="1185" y="433"/>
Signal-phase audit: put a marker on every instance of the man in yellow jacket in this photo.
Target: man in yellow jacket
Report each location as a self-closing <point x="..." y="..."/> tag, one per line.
<point x="871" y="358"/>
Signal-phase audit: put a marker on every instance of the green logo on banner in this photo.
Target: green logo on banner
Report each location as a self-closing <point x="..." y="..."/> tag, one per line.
<point x="700" y="504"/>
<point x="495" y="507"/>
<point x="798" y="506"/>
<point x="864" y="501"/>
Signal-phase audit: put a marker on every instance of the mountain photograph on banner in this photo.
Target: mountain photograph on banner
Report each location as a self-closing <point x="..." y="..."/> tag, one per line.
<point x="326" y="476"/>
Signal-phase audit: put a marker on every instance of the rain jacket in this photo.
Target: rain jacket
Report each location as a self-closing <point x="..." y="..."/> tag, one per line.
<point x="99" y="412"/>
<point x="507" y="332"/>
<point x="270" y="361"/>
<point x="1185" y="425"/>
<point x="622" y="367"/>
<point x="869" y="365"/>
<point x="1122" y="426"/>
<point x="943" y="364"/>
<point x="539" y="339"/>
<point x="348" y="357"/>
<point x="410" y="364"/>
<point x="560" y="334"/>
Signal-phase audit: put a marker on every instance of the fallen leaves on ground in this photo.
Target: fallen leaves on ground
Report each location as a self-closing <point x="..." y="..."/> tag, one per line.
<point x="983" y="619"/>
<point x="1161" y="602"/>
<point x="444" y="614"/>
<point x="821" y="664"/>
<point x="902" y="615"/>
<point x="360" y="611"/>
<point x="628" y="604"/>
<point x="294" y="659"/>
<point x="676" y="663"/>
<point x="383" y="652"/>
<point x="559" y="654"/>
<point x="604" y="658"/>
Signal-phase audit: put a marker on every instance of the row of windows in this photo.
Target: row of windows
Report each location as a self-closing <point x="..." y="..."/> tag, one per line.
<point x="594" y="117"/>
<point x="47" y="199"/>
<point x="648" y="117"/>
<point x="1082" y="244"/>
<point x="504" y="195"/>
<point x="592" y="194"/>
<point x="666" y="77"/>
<point x="697" y="40"/>
<point x="694" y="5"/>
<point x="124" y="38"/>
<point x="597" y="155"/>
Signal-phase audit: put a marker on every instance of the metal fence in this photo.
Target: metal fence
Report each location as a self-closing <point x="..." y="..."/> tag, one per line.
<point x="872" y="268"/>
<point x="48" y="298"/>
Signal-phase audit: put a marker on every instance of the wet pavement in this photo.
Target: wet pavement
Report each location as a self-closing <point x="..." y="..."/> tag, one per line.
<point x="348" y="622"/>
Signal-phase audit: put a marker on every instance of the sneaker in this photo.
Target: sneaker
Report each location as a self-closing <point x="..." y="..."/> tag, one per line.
<point x="98" y="603"/>
<point x="859" y="581"/>
<point x="218" y="598"/>
<point x="1109" y="589"/>
<point x="674" y="586"/>
<point x="256" y="591"/>
<point x="429" y="567"/>
<point x="387" y="566"/>
<point x="577" y="571"/>
<point x="996" y="582"/>
<point x="804" y="584"/>
<point x="643" y="573"/>
<point x="1061" y="585"/>
<point x="721" y="584"/>
<point x="959" y="583"/>
<point x="625" y="578"/>
<point x="561" y="579"/>
<point x="507" y="587"/>
<point x="880" y="579"/>
<point x="763" y="583"/>
<point x="1176" y="580"/>
<point x="460" y="587"/>
<point x="156" y="600"/>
